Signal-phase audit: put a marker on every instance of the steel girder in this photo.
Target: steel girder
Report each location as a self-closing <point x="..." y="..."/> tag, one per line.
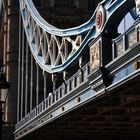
<point x="49" y="45"/>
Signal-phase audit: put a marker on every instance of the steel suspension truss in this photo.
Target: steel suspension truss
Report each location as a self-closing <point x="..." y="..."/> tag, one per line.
<point x="56" y="49"/>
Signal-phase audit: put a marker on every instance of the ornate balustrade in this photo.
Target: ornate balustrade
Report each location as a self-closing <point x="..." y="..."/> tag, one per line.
<point x="126" y="41"/>
<point x="126" y="54"/>
<point x="87" y="83"/>
<point x="54" y="50"/>
<point x="66" y="88"/>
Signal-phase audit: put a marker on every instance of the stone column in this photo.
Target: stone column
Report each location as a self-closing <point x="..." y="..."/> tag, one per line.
<point x="11" y="63"/>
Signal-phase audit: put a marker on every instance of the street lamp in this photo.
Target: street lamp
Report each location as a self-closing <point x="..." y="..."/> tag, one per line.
<point x="4" y="87"/>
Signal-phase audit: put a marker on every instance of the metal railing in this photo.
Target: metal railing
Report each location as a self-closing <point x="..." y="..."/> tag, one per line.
<point x="35" y="29"/>
<point x="80" y="76"/>
<point x="66" y="88"/>
<point x="126" y="41"/>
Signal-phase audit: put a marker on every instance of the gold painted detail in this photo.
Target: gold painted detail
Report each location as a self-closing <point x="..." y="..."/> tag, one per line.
<point x="132" y="39"/>
<point x="137" y="6"/>
<point x="95" y="56"/>
<point x="120" y="48"/>
<point x="136" y="65"/>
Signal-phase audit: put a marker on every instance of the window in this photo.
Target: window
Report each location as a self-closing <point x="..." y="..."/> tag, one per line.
<point x="64" y="4"/>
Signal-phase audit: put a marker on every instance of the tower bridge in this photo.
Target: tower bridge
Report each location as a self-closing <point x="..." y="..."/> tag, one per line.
<point x="73" y="83"/>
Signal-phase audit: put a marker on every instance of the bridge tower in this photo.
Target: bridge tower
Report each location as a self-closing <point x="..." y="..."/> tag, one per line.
<point x="9" y="65"/>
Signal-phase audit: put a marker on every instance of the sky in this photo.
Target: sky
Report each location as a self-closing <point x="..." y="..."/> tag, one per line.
<point x="126" y="23"/>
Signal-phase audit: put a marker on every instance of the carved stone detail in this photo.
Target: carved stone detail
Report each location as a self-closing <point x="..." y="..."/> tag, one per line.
<point x="120" y="48"/>
<point x="137" y="6"/>
<point x="132" y="39"/>
<point x="95" y="56"/>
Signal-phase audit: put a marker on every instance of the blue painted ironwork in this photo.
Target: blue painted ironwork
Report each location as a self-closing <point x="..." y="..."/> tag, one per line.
<point x="86" y="84"/>
<point x="88" y="29"/>
<point x="116" y="72"/>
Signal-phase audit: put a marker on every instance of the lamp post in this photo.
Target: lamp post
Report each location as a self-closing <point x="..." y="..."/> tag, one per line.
<point x="4" y="87"/>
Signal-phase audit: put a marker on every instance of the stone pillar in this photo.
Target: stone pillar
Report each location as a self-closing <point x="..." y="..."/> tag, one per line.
<point x="11" y="62"/>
